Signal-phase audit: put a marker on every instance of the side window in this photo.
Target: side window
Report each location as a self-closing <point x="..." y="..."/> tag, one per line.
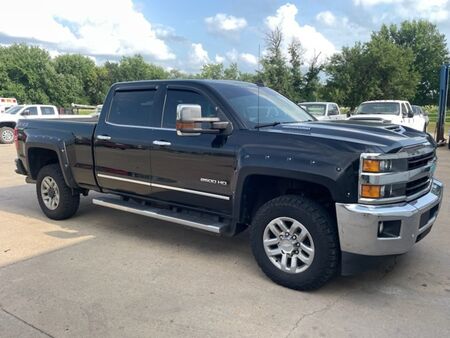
<point x="134" y="108"/>
<point x="176" y="97"/>
<point x="30" y="111"/>
<point x="332" y="110"/>
<point x="404" y="110"/>
<point x="48" y="111"/>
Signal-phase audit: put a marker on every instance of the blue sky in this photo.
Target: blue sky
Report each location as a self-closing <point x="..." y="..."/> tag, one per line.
<point x="187" y="34"/>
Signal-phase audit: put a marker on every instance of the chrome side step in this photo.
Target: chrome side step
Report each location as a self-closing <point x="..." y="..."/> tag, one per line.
<point x="193" y="221"/>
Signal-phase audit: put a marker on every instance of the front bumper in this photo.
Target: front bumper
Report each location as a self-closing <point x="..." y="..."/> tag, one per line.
<point x="359" y="224"/>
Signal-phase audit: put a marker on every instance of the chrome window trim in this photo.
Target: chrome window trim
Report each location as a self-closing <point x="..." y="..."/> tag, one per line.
<point x="167" y="187"/>
<point x="140" y="127"/>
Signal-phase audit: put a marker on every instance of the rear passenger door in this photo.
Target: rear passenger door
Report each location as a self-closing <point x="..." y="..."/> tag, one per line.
<point x="123" y="137"/>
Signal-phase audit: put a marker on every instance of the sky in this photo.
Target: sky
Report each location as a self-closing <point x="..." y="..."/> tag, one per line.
<point x="187" y="34"/>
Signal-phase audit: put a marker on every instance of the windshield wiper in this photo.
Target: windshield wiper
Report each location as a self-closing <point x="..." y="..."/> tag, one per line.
<point x="275" y="123"/>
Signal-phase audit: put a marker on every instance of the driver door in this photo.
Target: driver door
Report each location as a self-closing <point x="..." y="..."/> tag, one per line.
<point x="193" y="170"/>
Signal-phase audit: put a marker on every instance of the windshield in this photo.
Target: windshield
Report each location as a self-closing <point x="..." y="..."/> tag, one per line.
<point x="315" y="109"/>
<point x="13" y="110"/>
<point x="383" y="108"/>
<point x="269" y="107"/>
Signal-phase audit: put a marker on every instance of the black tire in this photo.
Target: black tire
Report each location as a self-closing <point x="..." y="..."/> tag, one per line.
<point x="322" y="229"/>
<point x="68" y="201"/>
<point x="6" y="135"/>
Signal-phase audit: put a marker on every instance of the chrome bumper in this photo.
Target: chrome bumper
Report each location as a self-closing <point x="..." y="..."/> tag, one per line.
<point x="359" y="224"/>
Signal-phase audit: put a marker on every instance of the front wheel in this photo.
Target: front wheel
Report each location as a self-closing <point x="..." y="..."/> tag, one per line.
<point x="6" y="135"/>
<point x="56" y="199"/>
<point x="295" y="242"/>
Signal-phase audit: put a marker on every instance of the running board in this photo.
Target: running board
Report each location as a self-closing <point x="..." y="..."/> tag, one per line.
<point x="198" y="222"/>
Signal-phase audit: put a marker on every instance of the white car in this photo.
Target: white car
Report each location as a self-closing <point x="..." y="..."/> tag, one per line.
<point x="9" y="119"/>
<point x="323" y="110"/>
<point x="389" y="111"/>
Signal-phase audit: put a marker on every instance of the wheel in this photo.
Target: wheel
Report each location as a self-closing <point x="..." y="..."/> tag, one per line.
<point x="7" y="135"/>
<point x="295" y="242"/>
<point x="56" y="199"/>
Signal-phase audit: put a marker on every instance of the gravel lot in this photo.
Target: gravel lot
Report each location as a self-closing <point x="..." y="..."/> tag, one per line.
<point x="107" y="273"/>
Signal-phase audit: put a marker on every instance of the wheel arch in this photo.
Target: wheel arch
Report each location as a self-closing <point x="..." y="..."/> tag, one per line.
<point x="257" y="188"/>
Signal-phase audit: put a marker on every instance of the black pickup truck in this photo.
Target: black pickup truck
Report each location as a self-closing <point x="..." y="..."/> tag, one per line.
<point x="223" y="156"/>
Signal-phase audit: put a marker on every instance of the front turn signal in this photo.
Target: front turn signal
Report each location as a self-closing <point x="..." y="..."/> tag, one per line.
<point x="370" y="191"/>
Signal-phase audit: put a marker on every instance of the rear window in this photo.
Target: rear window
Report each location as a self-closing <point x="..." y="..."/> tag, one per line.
<point x="315" y="109"/>
<point x="133" y="108"/>
<point x="47" y="111"/>
<point x="386" y="108"/>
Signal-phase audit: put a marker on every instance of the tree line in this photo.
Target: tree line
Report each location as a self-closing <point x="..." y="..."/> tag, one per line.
<point x="398" y="62"/>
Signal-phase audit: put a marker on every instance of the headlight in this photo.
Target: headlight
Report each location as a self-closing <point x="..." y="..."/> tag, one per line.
<point x="376" y="166"/>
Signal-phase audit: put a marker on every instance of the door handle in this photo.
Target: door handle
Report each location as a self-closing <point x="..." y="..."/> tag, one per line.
<point x="103" y="137"/>
<point x="162" y="143"/>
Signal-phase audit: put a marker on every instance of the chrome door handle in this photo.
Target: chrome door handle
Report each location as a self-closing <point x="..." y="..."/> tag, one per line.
<point x="162" y="143"/>
<point x="103" y="137"/>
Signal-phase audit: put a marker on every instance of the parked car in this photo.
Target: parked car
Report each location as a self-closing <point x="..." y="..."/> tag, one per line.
<point x="318" y="197"/>
<point x="389" y="111"/>
<point x="323" y="110"/>
<point x="9" y="119"/>
<point x="419" y="111"/>
<point x="6" y="103"/>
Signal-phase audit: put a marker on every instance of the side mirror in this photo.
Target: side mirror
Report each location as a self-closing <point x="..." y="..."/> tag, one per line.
<point x="25" y="113"/>
<point x="191" y="122"/>
<point x="410" y="113"/>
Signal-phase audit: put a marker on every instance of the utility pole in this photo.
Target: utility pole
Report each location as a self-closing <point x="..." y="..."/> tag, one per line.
<point x="443" y="94"/>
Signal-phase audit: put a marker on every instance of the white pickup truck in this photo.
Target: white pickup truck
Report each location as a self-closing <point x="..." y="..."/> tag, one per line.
<point x="390" y="111"/>
<point x="9" y="119"/>
<point x="323" y="110"/>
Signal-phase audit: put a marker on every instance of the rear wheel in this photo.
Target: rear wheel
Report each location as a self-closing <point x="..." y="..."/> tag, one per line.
<point x="56" y="199"/>
<point x="295" y="242"/>
<point x="7" y="135"/>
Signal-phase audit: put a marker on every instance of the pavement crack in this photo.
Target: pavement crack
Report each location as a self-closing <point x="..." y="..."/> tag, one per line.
<point x="309" y="314"/>
<point x="26" y="323"/>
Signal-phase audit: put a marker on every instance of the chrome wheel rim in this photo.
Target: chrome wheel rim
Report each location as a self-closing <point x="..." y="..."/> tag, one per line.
<point x="7" y="135"/>
<point x="288" y="245"/>
<point x="50" y="193"/>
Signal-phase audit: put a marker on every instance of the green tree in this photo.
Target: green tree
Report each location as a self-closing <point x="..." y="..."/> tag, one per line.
<point x="275" y="72"/>
<point x="232" y="72"/>
<point x="312" y="83"/>
<point x="213" y="71"/>
<point x="133" y="68"/>
<point x="429" y="48"/>
<point x="296" y="79"/>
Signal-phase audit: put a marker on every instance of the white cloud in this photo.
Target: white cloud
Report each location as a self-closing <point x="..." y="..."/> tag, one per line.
<point x="99" y="27"/>
<point x="433" y="10"/>
<point x="248" y="58"/>
<point x="225" y="24"/>
<point x="219" y="58"/>
<point x="198" y="56"/>
<point x="312" y="41"/>
<point x="326" y="17"/>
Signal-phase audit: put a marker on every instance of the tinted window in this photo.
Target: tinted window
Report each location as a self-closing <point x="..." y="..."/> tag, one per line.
<point x="134" y="108"/>
<point x="47" y="111"/>
<point x="31" y="111"/>
<point x="176" y="97"/>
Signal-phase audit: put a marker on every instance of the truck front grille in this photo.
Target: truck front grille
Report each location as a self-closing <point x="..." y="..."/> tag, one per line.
<point x="420" y="161"/>
<point x="416" y="186"/>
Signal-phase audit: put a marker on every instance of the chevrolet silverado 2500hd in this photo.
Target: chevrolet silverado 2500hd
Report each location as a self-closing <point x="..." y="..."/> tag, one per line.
<point x="222" y="156"/>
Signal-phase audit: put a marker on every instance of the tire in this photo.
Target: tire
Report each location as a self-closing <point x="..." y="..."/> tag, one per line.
<point x="320" y="240"/>
<point x="6" y="135"/>
<point x="56" y="199"/>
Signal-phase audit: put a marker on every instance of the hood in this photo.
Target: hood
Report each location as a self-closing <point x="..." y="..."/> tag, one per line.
<point x="8" y="117"/>
<point x="374" y="117"/>
<point x="386" y="137"/>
